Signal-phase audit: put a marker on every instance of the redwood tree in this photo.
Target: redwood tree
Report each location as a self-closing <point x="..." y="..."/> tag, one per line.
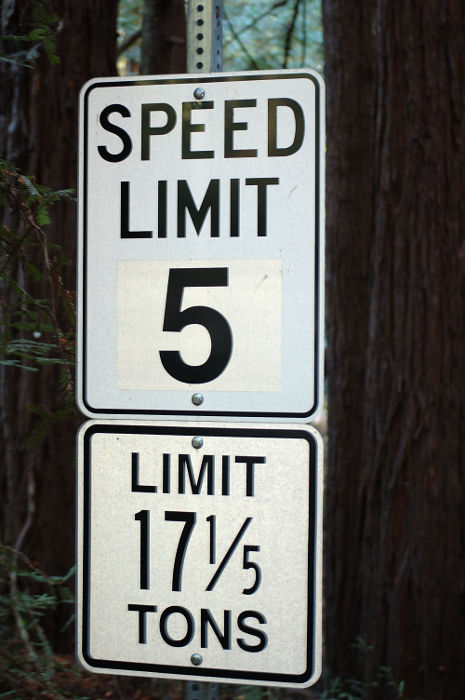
<point x="38" y="104"/>
<point x="163" y="37"/>
<point x="395" y="531"/>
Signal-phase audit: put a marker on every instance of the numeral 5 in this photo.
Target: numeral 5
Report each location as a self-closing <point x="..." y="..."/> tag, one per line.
<point x="214" y="322"/>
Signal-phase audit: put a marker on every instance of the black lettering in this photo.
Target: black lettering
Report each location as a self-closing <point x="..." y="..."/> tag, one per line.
<point x="250" y="472"/>
<point x="166" y="473"/>
<point x="230" y="126"/>
<point x="143" y="516"/>
<point x="216" y="325"/>
<point x="234" y="210"/>
<point x="189" y="518"/>
<point x="225" y="475"/>
<point x="211" y="202"/>
<point x="162" y="192"/>
<point x="261" y="183"/>
<point x="142" y="610"/>
<point x="228" y="554"/>
<point x="147" y="131"/>
<point x="135" y="486"/>
<point x="184" y="461"/>
<point x="273" y="105"/>
<point x="263" y="639"/>
<point x="188" y="128"/>
<point x="212" y="520"/>
<point x="224" y="638"/>
<point x="118" y="131"/>
<point x="125" y="232"/>
<point x="173" y="610"/>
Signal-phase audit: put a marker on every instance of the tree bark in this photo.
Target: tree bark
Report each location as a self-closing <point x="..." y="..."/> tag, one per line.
<point x="163" y="37"/>
<point x="39" y="136"/>
<point x="395" y="491"/>
<point x="350" y="136"/>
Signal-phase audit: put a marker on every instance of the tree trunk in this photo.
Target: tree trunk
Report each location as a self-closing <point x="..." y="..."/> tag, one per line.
<point x="395" y="544"/>
<point x="163" y="37"/>
<point x="350" y="134"/>
<point x="39" y="136"/>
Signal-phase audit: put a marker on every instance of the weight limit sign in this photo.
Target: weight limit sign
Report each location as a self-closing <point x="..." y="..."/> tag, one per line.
<point x="199" y="551"/>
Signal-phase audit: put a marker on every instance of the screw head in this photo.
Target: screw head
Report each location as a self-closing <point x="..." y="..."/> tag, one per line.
<point x="197" y="399"/>
<point x="196" y="659"/>
<point x="197" y="442"/>
<point x="199" y="93"/>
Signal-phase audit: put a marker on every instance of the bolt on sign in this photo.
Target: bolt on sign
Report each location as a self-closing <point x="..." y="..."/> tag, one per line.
<point x="199" y="558"/>
<point x="200" y="246"/>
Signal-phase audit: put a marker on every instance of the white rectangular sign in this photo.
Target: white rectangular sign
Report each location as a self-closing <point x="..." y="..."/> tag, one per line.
<point x="199" y="551"/>
<point x="200" y="246"/>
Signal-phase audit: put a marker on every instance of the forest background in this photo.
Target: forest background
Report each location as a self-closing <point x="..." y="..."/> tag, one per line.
<point x="394" y="577"/>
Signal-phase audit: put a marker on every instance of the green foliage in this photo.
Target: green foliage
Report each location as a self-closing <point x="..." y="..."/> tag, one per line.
<point x="355" y="689"/>
<point x="37" y="312"/>
<point x="129" y="36"/>
<point x="252" y="693"/>
<point x="26" y="657"/>
<point x="44" y="25"/>
<point x="247" y="692"/>
<point x="30" y="332"/>
<point x="270" y="34"/>
<point x="259" y="35"/>
<point x="37" y="320"/>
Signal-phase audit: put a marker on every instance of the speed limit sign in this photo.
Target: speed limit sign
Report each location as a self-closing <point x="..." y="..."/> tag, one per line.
<point x="200" y="246"/>
<point x="199" y="551"/>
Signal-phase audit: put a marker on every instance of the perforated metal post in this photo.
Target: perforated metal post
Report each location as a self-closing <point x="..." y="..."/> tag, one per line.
<point x="204" y="55"/>
<point x="204" y="36"/>
<point x="201" y="691"/>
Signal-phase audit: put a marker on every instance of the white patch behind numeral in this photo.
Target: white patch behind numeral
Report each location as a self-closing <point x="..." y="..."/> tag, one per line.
<point x="251" y="304"/>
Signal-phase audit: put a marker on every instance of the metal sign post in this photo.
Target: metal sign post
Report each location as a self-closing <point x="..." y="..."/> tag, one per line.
<point x="204" y="55"/>
<point x="204" y="36"/>
<point x="201" y="691"/>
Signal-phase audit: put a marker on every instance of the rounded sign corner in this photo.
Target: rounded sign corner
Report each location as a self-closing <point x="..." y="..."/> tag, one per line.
<point x="313" y="678"/>
<point x="82" y="430"/>
<point x="86" y="661"/>
<point x="315" y="77"/>
<point x="87" y="411"/>
<point x="87" y="87"/>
